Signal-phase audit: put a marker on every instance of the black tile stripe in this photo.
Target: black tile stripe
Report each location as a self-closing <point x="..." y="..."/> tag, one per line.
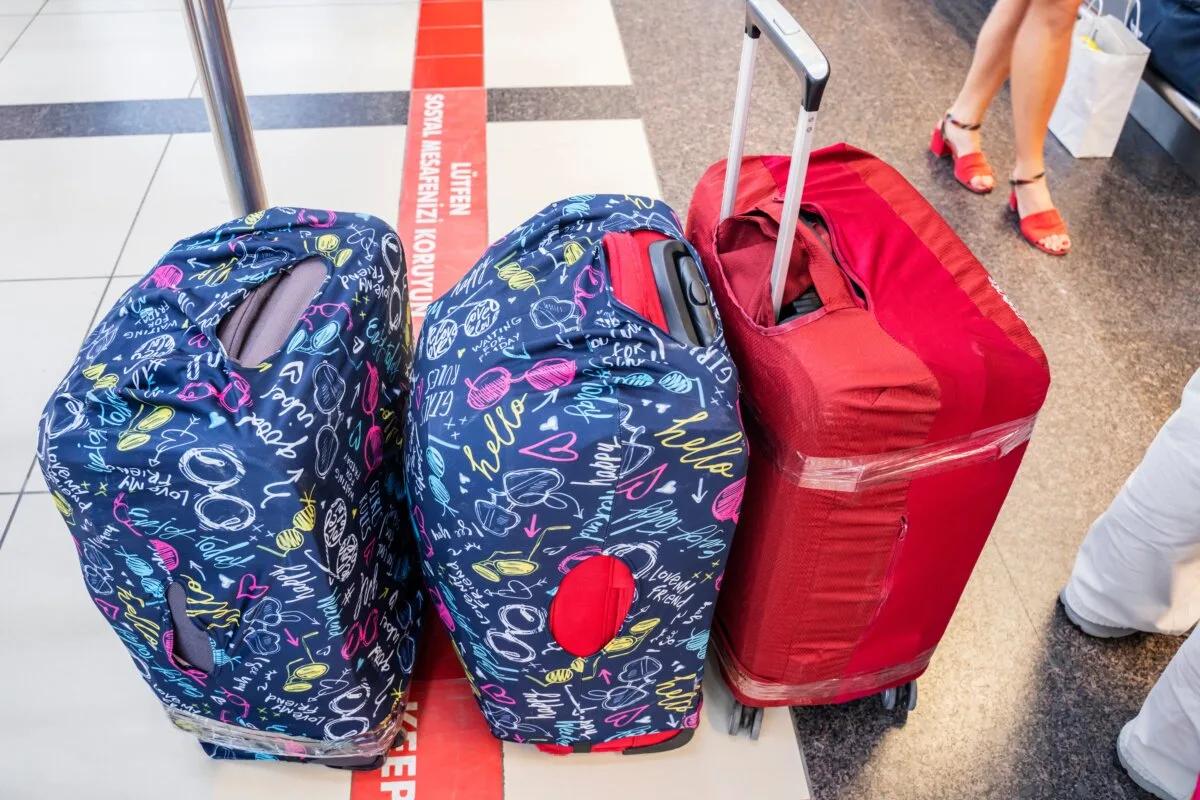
<point x="268" y="112"/>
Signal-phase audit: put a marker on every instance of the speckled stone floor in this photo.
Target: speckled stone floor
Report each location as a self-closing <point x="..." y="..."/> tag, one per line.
<point x="1017" y="703"/>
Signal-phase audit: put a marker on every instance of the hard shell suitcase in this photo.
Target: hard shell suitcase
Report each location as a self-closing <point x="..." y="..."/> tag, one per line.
<point x="225" y="451"/>
<point x="889" y="390"/>
<point x="576" y="461"/>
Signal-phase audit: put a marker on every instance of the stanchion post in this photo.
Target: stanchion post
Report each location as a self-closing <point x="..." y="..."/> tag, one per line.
<point x="225" y="101"/>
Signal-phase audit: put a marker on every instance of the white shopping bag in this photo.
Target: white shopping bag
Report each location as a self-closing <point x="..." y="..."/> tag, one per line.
<point x="1101" y="81"/>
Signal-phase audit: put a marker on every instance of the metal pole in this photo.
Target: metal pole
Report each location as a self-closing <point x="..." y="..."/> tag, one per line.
<point x="226" y="104"/>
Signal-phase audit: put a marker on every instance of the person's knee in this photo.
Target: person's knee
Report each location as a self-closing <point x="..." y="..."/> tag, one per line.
<point x="1059" y="14"/>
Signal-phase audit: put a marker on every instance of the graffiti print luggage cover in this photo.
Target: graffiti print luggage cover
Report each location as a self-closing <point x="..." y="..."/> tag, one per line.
<point x="567" y="458"/>
<point x="265" y="499"/>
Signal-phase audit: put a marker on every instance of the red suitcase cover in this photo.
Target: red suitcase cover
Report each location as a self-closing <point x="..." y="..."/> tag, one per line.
<point x="885" y="428"/>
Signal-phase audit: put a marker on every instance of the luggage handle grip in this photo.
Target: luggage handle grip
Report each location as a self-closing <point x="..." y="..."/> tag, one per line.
<point x="811" y="66"/>
<point x="794" y="43"/>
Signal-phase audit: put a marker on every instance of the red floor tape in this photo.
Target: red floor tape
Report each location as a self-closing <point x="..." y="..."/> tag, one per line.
<point x="443" y="205"/>
<point x="448" y="753"/>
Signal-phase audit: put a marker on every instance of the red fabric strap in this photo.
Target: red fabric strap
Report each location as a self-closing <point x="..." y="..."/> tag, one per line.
<point x="972" y="165"/>
<point x="1043" y="224"/>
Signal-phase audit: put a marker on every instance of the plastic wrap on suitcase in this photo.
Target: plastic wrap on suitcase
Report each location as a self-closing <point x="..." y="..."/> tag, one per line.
<point x="856" y="473"/>
<point x="767" y="691"/>
<point x="373" y="742"/>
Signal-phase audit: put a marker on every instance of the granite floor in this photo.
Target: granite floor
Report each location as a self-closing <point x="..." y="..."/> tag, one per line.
<point x="1017" y="703"/>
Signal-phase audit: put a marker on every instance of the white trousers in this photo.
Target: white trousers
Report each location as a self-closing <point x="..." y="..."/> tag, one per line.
<point x="1139" y="567"/>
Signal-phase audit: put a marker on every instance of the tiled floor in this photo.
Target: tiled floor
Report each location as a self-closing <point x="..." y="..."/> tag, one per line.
<point x="530" y="163"/>
<point x="571" y="44"/>
<point x="302" y="50"/>
<point x="345" y="168"/>
<point x="592" y="95"/>
<point x="11" y="26"/>
<point x="112" y="56"/>
<point x="104" y="175"/>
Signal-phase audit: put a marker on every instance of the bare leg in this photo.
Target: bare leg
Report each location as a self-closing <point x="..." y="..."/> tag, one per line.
<point x="989" y="69"/>
<point x="1039" y="65"/>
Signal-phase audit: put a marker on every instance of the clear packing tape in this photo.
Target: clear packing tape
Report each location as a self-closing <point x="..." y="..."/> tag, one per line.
<point x="817" y="692"/>
<point x="373" y="742"/>
<point x="856" y="473"/>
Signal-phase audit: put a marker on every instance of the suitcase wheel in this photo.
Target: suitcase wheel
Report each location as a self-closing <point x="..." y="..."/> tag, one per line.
<point x="904" y="696"/>
<point x="747" y="718"/>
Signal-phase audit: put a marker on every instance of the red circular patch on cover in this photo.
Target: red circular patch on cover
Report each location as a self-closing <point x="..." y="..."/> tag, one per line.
<point x="592" y="602"/>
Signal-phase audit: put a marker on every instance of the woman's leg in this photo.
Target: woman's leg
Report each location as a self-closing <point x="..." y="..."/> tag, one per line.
<point x="1039" y="65"/>
<point x="989" y="69"/>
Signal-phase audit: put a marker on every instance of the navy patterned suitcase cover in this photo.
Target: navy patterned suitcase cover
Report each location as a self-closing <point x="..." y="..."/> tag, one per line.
<point x="268" y="499"/>
<point x="550" y="427"/>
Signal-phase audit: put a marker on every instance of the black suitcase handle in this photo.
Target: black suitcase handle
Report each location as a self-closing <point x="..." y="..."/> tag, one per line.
<point x="790" y="39"/>
<point x="682" y="291"/>
<point x="684" y="295"/>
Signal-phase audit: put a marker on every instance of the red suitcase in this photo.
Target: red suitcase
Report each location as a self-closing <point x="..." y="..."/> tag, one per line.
<point x="887" y="410"/>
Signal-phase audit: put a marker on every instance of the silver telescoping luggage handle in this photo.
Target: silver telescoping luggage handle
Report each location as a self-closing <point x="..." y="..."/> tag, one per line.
<point x="811" y="66"/>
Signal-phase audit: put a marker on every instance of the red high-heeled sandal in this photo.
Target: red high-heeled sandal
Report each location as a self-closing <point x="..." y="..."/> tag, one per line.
<point x="1040" y="225"/>
<point x="967" y="167"/>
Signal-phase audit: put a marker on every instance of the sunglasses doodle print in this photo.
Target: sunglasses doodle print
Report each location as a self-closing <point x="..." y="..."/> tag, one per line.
<point x="576" y="470"/>
<point x="225" y="451"/>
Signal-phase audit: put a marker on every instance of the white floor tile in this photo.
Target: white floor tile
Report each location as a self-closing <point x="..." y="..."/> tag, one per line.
<point x="279" y="3"/>
<point x="10" y="28"/>
<point x="37" y="483"/>
<point x="551" y="43"/>
<point x="41" y="329"/>
<point x="99" y="6"/>
<point x="81" y="194"/>
<point x="346" y="169"/>
<point x="531" y="164"/>
<point x="78" y="718"/>
<point x="20" y="6"/>
<point x="7" y="501"/>
<point x="311" y="49"/>
<point x="259" y="780"/>
<point x="84" y="57"/>
<point x="713" y="764"/>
